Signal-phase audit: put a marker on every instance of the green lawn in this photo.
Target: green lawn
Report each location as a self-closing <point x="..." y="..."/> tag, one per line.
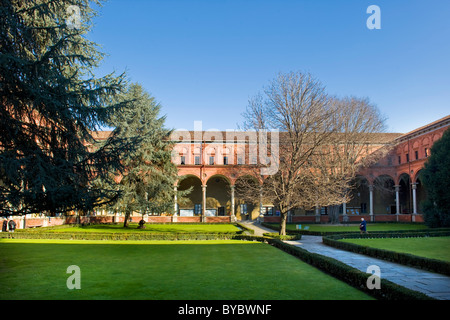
<point x="157" y="228"/>
<point x="429" y="247"/>
<point x="163" y="270"/>
<point x="371" y="227"/>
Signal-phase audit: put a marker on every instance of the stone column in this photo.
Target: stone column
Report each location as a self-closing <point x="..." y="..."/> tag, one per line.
<point x="175" y="200"/>
<point x="175" y="205"/>
<point x="371" y="201"/>
<point x="233" y="216"/>
<point x="203" y="203"/>
<point x="414" y="187"/>
<point x="397" y="199"/>
<point x="261" y="204"/>
<point x="317" y="214"/>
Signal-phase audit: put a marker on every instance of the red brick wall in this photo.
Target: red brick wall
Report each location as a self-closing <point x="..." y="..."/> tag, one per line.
<point x="189" y="219"/>
<point x="159" y="219"/>
<point x="40" y="222"/>
<point x="224" y="219"/>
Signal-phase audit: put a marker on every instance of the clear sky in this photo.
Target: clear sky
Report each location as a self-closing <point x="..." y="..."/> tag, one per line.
<point x="203" y="59"/>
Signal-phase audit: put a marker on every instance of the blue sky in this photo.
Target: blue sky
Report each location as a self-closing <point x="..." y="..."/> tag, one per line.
<point x="203" y="59"/>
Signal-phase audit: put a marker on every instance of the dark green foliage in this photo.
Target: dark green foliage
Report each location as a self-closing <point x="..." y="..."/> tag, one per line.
<point x="436" y="178"/>
<point x="50" y="106"/>
<point x="147" y="185"/>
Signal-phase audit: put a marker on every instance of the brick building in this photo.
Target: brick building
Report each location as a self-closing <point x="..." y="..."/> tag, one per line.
<point x="212" y="162"/>
<point x="389" y="190"/>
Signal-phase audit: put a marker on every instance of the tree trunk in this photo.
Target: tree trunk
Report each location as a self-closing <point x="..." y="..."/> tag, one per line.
<point x="333" y="212"/>
<point x="127" y="216"/>
<point x="283" y="223"/>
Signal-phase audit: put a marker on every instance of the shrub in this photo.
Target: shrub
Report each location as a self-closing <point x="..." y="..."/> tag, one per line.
<point x="281" y="237"/>
<point x="432" y="265"/>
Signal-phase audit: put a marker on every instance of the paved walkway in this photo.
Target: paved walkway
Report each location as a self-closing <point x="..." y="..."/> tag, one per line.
<point x="432" y="284"/>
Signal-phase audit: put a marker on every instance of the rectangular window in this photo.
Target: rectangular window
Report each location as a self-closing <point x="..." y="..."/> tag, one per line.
<point x="363" y="207"/>
<point x="407" y="157"/>
<point x="426" y="152"/>
<point x="225" y="160"/>
<point x="416" y="153"/>
<point x="197" y="160"/>
<point x="399" y="159"/>
<point x="211" y="160"/>
<point x="243" y="209"/>
<point x="268" y="211"/>
<point x="198" y="208"/>
<point x="240" y="160"/>
<point x="183" y="160"/>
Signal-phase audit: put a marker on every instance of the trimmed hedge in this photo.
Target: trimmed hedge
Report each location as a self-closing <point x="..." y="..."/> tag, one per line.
<point x="284" y="238"/>
<point x="328" y="233"/>
<point x="352" y="276"/>
<point x="433" y="265"/>
<point x="118" y="236"/>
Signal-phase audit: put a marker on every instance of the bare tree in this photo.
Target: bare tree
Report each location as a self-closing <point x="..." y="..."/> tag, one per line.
<point x="354" y="144"/>
<point x="323" y="142"/>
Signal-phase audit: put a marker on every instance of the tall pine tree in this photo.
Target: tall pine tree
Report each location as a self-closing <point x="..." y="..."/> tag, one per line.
<point x="147" y="185"/>
<point x="51" y="103"/>
<point x="436" y="177"/>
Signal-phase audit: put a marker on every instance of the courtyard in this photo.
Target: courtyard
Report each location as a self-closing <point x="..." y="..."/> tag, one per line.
<point x="162" y="270"/>
<point x="35" y="263"/>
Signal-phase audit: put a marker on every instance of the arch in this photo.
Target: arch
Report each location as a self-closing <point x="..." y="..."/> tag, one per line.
<point x="190" y="204"/>
<point x="245" y="173"/>
<point x="421" y="191"/>
<point x="359" y="195"/>
<point x="219" y="175"/>
<point x="384" y="177"/>
<point x="183" y="177"/>
<point x="384" y="195"/>
<point x="401" y="175"/>
<point x="436" y="137"/>
<point x="405" y="148"/>
<point x="218" y="195"/>
<point x="405" y="191"/>
<point x="417" y="175"/>
<point x="247" y="197"/>
<point x="361" y="180"/>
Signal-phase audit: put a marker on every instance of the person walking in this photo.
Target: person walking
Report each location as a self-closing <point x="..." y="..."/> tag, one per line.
<point x="363" y="226"/>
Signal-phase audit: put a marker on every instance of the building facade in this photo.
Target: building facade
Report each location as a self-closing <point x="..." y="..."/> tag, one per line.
<point x="212" y="162"/>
